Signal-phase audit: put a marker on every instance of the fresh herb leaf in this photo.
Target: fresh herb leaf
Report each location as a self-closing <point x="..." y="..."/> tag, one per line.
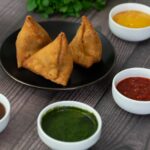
<point x="31" y="5"/>
<point x="45" y="3"/>
<point x="65" y="7"/>
<point x="86" y="4"/>
<point x="67" y="1"/>
<point x="77" y="6"/>
<point x="49" y="10"/>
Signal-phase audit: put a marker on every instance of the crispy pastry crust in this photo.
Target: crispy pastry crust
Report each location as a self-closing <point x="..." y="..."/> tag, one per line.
<point x="30" y="39"/>
<point x="53" y="62"/>
<point x="86" y="46"/>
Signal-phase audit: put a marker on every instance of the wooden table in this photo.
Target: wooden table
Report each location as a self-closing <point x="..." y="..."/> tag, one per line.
<point x="121" y="130"/>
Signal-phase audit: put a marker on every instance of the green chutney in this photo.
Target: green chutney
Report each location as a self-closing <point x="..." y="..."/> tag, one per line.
<point x="69" y="124"/>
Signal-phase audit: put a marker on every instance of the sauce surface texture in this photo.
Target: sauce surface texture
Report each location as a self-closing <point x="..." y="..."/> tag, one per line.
<point x="69" y="124"/>
<point x="132" y="19"/>
<point x="2" y="111"/>
<point x="137" y="88"/>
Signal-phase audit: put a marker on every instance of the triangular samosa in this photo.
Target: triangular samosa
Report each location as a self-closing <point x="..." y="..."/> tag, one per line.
<point x="54" y="62"/>
<point x="86" y="46"/>
<point x="30" y="39"/>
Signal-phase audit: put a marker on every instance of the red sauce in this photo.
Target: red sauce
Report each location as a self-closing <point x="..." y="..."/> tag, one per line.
<point x="137" y="88"/>
<point x="2" y="111"/>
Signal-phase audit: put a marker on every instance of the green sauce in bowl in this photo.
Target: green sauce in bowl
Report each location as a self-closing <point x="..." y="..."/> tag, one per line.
<point x="69" y="124"/>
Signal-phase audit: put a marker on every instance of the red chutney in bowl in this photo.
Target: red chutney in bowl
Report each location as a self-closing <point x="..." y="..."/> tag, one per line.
<point x="137" y="88"/>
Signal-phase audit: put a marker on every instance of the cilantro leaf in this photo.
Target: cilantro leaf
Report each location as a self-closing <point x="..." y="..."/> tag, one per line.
<point x="65" y="7"/>
<point x="31" y="5"/>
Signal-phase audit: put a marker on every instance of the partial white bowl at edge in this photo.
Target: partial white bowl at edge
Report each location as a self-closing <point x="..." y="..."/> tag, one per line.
<point x="60" y="145"/>
<point x="4" y="121"/>
<point x="130" y="105"/>
<point x="125" y="33"/>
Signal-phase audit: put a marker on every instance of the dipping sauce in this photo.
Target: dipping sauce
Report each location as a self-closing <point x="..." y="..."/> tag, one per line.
<point x="69" y="124"/>
<point x="2" y="111"/>
<point x="132" y="19"/>
<point x="136" y="88"/>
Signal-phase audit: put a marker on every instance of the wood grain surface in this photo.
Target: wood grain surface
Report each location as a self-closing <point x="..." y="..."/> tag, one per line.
<point x="121" y="130"/>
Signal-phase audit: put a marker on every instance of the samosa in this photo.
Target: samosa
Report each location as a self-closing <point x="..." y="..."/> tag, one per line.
<point x="53" y="62"/>
<point x="30" y="39"/>
<point x="86" y="46"/>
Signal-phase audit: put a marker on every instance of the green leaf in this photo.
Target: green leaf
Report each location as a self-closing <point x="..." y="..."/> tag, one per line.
<point x="77" y="6"/>
<point x="63" y="9"/>
<point x="70" y="11"/>
<point x="31" y="5"/>
<point x="45" y="3"/>
<point x="49" y="10"/>
<point x="100" y="4"/>
<point x="67" y="1"/>
<point x="40" y="8"/>
<point x="86" y="4"/>
<point x="39" y="2"/>
<point x="99" y="7"/>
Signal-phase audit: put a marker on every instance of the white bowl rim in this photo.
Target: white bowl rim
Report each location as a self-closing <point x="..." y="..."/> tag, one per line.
<point x="116" y="90"/>
<point x="7" y="110"/>
<point x="124" y="27"/>
<point x="96" y="114"/>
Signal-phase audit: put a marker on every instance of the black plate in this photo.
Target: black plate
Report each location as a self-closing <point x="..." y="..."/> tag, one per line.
<point x="80" y="77"/>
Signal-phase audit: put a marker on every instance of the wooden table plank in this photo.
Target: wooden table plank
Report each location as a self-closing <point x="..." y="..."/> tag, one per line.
<point x="11" y="16"/>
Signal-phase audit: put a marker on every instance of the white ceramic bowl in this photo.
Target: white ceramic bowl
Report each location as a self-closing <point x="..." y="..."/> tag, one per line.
<point x="60" y="145"/>
<point x="4" y="121"/>
<point x="131" y="105"/>
<point x="125" y="33"/>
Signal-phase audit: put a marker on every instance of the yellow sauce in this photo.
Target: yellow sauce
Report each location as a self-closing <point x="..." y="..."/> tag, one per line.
<point x="132" y="19"/>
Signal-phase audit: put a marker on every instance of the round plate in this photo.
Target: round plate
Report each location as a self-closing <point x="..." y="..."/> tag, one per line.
<point x="80" y="77"/>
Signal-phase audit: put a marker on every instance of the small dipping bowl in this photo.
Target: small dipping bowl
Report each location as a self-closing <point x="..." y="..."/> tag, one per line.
<point x="130" y="105"/>
<point x="126" y="33"/>
<point x="77" y="145"/>
<point x="4" y="120"/>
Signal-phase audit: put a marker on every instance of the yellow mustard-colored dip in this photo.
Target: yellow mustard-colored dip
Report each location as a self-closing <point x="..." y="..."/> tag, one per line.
<point x="132" y="19"/>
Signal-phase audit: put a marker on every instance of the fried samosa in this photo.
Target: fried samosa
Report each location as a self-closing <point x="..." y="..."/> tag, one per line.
<point x="54" y="62"/>
<point x="30" y="39"/>
<point x="86" y="46"/>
